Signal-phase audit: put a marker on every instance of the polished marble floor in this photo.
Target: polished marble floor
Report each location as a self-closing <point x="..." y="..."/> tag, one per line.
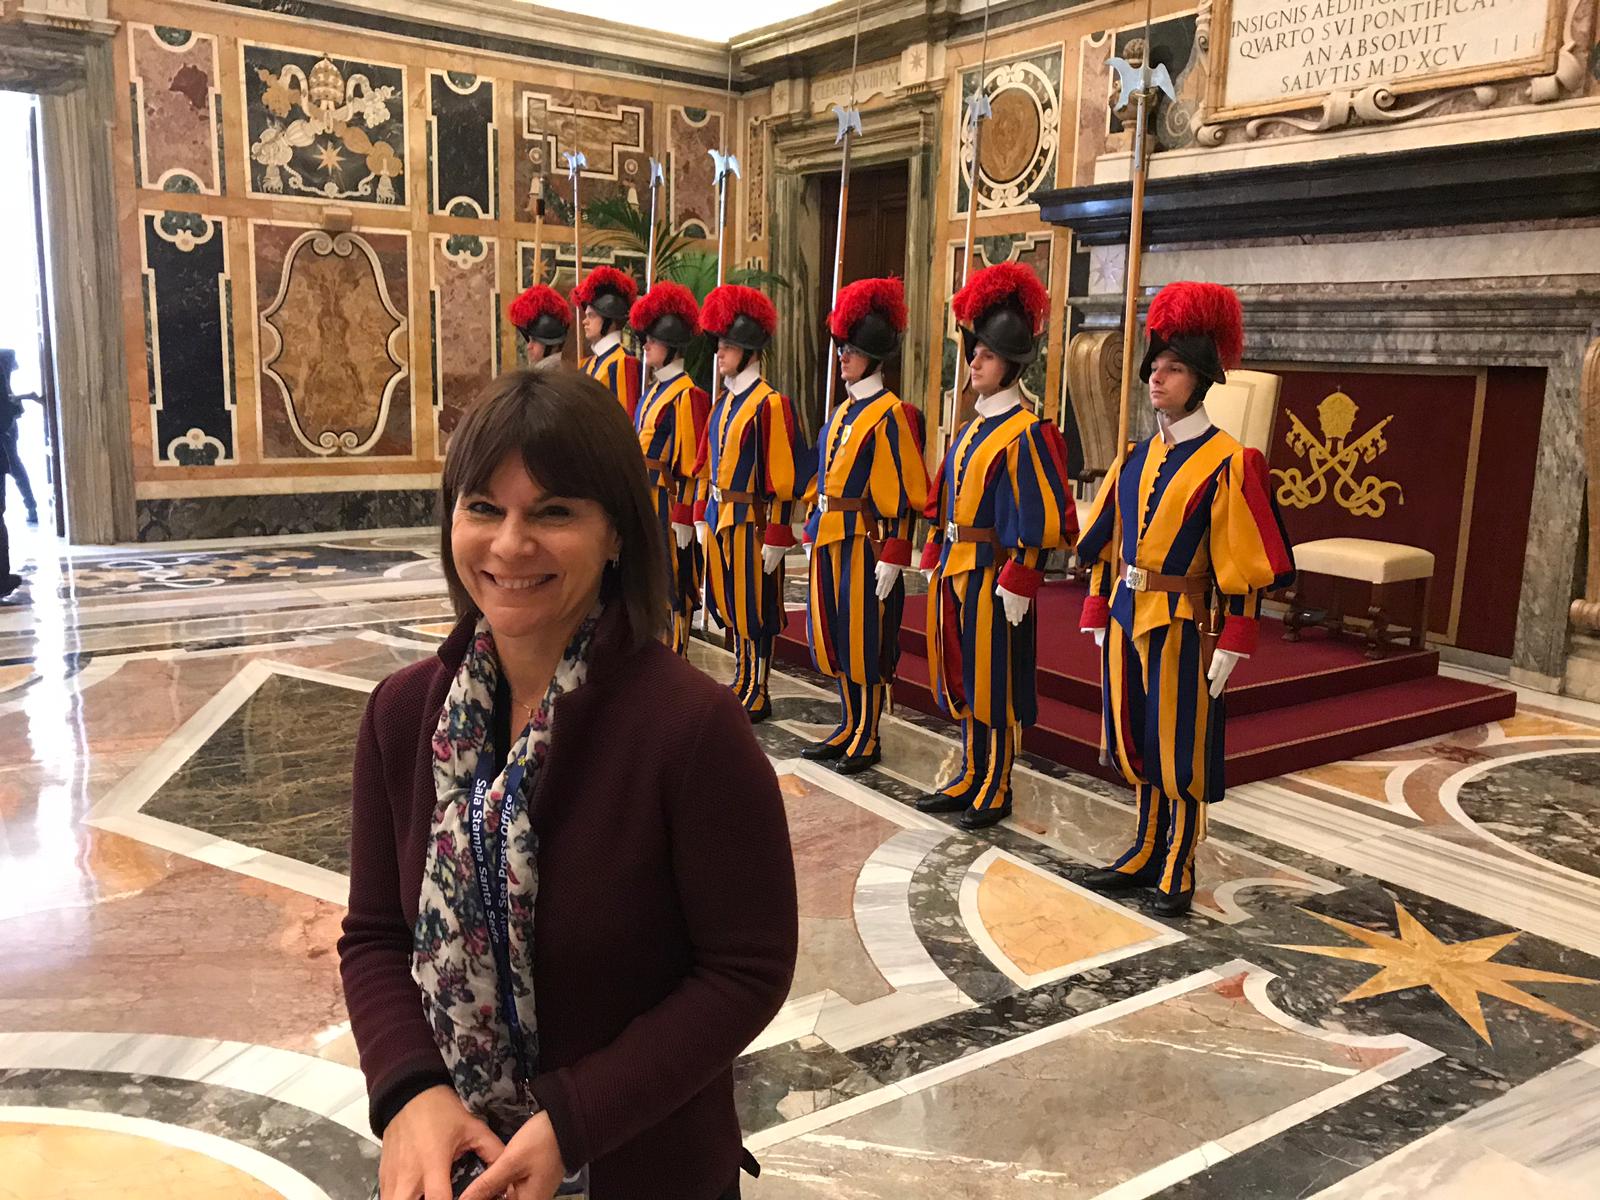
<point x="1389" y="987"/>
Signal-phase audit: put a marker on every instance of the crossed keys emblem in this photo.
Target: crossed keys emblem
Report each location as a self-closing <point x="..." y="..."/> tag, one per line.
<point x="1333" y="455"/>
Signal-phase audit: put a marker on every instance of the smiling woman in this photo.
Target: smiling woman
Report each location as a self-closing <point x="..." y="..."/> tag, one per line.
<point x="505" y="846"/>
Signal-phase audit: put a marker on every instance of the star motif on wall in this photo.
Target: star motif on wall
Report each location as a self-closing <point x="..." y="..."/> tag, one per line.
<point x="1459" y="972"/>
<point x="329" y="158"/>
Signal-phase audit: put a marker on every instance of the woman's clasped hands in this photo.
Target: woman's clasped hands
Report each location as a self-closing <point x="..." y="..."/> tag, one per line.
<point x="426" y="1137"/>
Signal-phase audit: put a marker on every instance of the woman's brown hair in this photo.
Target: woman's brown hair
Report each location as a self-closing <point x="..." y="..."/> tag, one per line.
<point x="576" y="441"/>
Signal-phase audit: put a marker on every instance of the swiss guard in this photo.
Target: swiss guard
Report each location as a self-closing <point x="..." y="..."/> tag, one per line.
<point x="871" y="486"/>
<point x="1183" y="537"/>
<point x="605" y="298"/>
<point x="671" y="423"/>
<point x="541" y="316"/>
<point x="755" y="470"/>
<point x="999" y="506"/>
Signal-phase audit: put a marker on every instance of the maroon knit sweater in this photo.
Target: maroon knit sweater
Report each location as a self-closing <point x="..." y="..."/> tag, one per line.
<point x="666" y="923"/>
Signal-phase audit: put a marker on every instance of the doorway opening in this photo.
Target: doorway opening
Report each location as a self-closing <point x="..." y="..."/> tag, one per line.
<point x="874" y="244"/>
<point x="34" y="504"/>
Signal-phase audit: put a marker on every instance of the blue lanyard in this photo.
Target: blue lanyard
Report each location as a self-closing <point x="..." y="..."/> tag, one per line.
<point x="494" y="889"/>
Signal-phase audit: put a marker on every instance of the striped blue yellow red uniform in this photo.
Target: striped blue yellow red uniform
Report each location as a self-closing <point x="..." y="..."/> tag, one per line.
<point x="1199" y="509"/>
<point x="754" y="464"/>
<point x="870" y="458"/>
<point x="671" y="423"/>
<point x="1004" y="478"/>
<point x="619" y="372"/>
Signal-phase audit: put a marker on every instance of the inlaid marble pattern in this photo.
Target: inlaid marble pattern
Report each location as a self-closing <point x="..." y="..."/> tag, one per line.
<point x="965" y="1017"/>
<point x="465" y="300"/>
<point x="615" y="135"/>
<point x="694" y="133"/>
<point x="334" y="342"/>
<point x="177" y="109"/>
<point x="463" y="144"/>
<point x="1021" y="138"/>
<point x="324" y="129"/>
<point x="189" y="338"/>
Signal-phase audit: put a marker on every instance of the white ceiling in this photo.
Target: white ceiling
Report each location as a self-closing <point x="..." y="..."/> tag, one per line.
<point x="713" y="20"/>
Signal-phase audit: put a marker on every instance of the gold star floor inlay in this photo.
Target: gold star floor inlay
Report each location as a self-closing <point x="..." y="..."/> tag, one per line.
<point x="1460" y="972"/>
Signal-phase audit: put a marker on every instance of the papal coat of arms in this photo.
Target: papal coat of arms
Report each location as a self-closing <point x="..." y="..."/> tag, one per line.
<point x="1332" y="461"/>
<point x="330" y="132"/>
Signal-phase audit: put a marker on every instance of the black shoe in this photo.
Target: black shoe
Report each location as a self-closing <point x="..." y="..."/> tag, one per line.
<point x="760" y="713"/>
<point x="982" y="818"/>
<point x="33" y="516"/>
<point x="1108" y="882"/>
<point x="822" y="752"/>
<point x="938" y="802"/>
<point x="9" y="583"/>
<point x="1173" y="904"/>
<point x="856" y="763"/>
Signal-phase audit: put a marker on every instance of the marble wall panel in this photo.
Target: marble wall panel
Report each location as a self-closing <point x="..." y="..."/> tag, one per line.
<point x="465" y="295"/>
<point x="333" y="341"/>
<point x="177" y="110"/>
<point x="694" y="133"/>
<point x="192" y="517"/>
<point x="615" y="135"/>
<point x="463" y="145"/>
<point x="324" y="129"/>
<point x="1020" y="140"/>
<point x="188" y="338"/>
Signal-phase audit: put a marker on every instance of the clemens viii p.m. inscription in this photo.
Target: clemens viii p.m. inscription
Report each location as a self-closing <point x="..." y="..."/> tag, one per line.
<point x="1279" y="54"/>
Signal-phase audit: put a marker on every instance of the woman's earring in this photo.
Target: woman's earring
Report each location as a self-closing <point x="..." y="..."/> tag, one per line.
<point x="616" y="559"/>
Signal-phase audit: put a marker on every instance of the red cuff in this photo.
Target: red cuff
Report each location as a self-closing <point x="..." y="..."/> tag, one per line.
<point x="683" y="514"/>
<point x="1240" y="635"/>
<point x="930" y="557"/>
<point x="896" y="551"/>
<point x="1020" y="580"/>
<point x="1096" y="613"/>
<point x="778" y="535"/>
<point x="699" y="510"/>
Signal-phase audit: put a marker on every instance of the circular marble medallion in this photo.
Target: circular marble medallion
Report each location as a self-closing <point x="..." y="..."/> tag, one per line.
<point x="1011" y="138"/>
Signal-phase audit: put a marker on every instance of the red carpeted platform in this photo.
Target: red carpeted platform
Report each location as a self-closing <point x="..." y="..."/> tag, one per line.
<point x="1290" y="706"/>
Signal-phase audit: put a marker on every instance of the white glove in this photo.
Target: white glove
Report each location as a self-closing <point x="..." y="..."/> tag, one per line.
<point x="807" y="545"/>
<point x="888" y="573"/>
<point x="1016" y="606"/>
<point x="927" y="573"/>
<point x="1222" y="664"/>
<point x="702" y="530"/>
<point x="682" y="534"/>
<point x="772" y="558"/>
<point x="1099" y="636"/>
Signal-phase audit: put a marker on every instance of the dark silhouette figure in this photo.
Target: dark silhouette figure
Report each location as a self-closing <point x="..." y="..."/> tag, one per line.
<point x="10" y="415"/>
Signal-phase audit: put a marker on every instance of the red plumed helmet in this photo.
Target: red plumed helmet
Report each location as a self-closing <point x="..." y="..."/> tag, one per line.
<point x="539" y="300"/>
<point x="990" y="287"/>
<point x="1003" y="307"/>
<point x="738" y="314"/>
<point x="608" y="291"/>
<point x="1186" y="310"/>
<point x="886" y="297"/>
<point x="668" y="313"/>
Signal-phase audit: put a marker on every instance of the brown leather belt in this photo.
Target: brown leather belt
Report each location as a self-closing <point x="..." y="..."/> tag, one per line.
<point x="970" y="533"/>
<point x="827" y="504"/>
<point x="758" y="504"/>
<point x="658" y="464"/>
<point x="1140" y="580"/>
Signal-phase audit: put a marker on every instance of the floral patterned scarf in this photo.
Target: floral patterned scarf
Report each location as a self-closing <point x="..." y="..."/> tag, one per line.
<point x="453" y="959"/>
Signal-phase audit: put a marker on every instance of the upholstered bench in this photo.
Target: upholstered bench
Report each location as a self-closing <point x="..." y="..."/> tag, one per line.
<point x="1389" y="569"/>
